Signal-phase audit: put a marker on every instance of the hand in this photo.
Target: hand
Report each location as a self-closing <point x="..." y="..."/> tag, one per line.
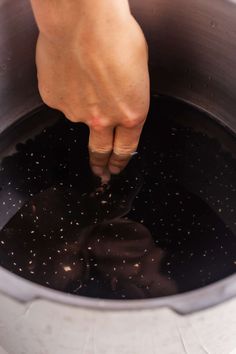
<point x="92" y="63"/>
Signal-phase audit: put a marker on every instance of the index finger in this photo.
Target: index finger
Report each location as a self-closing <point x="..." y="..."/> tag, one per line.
<point x="100" y="148"/>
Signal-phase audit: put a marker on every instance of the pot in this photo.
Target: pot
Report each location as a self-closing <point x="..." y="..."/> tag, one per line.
<point x="195" y="62"/>
<point x="192" y="48"/>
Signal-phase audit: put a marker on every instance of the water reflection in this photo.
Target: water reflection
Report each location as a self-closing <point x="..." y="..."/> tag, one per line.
<point x="102" y="254"/>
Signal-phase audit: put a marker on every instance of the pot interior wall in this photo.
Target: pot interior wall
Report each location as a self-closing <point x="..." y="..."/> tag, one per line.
<point x="192" y="54"/>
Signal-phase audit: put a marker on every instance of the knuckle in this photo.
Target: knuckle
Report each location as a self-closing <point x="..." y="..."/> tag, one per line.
<point x="74" y="114"/>
<point x="100" y="149"/>
<point x="74" y="118"/>
<point x="133" y="120"/>
<point x="46" y="96"/>
<point x="98" y="124"/>
<point x="71" y="117"/>
<point x="57" y="102"/>
<point x="125" y="151"/>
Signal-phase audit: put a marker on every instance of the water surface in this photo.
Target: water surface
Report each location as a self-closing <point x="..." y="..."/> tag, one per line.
<point x="166" y="225"/>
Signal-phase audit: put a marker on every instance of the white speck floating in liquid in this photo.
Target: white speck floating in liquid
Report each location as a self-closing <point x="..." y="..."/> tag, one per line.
<point x="67" y="268"/>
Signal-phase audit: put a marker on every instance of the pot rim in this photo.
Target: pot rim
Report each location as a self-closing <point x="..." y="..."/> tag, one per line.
<point x="24" y="290"/>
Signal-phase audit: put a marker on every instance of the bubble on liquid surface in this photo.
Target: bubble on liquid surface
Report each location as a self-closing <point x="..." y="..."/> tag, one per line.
<point x="166" y="225"/>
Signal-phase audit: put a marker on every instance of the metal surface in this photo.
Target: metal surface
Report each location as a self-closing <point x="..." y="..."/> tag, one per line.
<point x="26" y="291"/>
<point x="193" y="51"/>
<point x="192" y="57"/>
<point x="18" y="87"/>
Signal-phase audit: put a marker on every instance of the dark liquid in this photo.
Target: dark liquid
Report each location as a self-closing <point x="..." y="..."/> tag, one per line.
<point x="166" y="225"/>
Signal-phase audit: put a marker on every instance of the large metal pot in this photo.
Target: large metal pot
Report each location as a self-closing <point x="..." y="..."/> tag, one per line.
<point x="192" y="57"/>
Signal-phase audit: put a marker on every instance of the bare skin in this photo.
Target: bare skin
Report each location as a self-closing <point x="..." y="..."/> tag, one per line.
<point x="92" y="63"/>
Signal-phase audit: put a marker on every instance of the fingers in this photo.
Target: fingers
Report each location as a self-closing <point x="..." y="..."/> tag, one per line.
<point x="110" y="154"/>
<point x="125" y="144"/>
<point x="100" y="148"/>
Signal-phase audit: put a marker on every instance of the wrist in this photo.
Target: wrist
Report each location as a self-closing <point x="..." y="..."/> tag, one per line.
<point x="63" y="19"/>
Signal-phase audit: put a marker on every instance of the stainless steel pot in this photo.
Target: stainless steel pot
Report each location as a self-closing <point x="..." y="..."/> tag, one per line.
<point x="192" y="57"/>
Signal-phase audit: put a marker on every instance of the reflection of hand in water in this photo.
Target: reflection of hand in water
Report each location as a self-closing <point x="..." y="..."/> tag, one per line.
<point x="81" y="243"/>
<point x="118" y="257"/>
<point x="126" y="259"/>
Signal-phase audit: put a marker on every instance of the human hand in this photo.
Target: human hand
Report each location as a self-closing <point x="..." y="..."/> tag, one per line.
<point x="92" y="63"/>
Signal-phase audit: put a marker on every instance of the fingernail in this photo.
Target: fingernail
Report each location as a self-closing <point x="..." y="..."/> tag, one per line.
<point x="114" y="170"/>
